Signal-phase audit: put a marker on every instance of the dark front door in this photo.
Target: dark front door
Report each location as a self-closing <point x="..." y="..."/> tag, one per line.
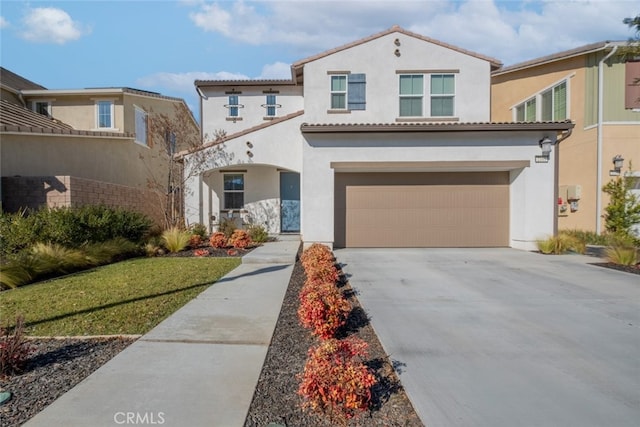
<point x="289" y="202"/>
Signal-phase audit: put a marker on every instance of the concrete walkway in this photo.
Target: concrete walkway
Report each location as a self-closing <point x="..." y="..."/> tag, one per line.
<point x="197" y="368"/>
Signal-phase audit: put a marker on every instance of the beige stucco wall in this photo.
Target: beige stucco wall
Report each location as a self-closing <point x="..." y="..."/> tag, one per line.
<point x="578" y="153"/>
<point x="80" y="110"/>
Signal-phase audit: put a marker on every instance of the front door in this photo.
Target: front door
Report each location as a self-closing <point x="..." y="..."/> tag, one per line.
<point x="289" y="202"/>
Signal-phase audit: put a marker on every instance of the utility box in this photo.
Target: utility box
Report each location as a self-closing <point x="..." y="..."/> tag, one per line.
<point x="574" y="192"/>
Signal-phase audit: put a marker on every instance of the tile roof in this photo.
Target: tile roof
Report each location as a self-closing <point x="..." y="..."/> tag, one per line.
<point x="581" y="50"/>
<point x="434" y="127"/>
<point x="15" y="118"/>
<point x="395" y="29"/>
<point x="16" y="82"/>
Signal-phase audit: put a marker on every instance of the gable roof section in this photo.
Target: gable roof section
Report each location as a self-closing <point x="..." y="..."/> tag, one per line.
<point x="296" y="68"/>
<point x="14" y="118"/>
<point x="210" y="83"/>
<point x="13" y="81"/>
<point x="241" y="133"/>
<point x="578" y="51"/>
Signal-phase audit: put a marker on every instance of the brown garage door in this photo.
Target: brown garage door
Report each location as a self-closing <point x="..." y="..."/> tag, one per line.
<point x="456" y="209"/>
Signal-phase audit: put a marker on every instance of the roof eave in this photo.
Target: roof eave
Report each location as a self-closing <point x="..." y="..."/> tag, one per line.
<point x="436" y="127"/>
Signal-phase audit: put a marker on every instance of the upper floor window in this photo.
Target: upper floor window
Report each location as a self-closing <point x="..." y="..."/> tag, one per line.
<point x="233" y="107"/>
<point x="233" y="191"/>
<point x="271" y="105"/>
<point x="141" y="126"/>
<point x="348" y="91"/>
<point x="411" y="95"/>
<point x="442" y="95"/>
<point x="42" y="107"/>
<point x="632" y="86"/>
<point x="441" y="91"/>
<point x="339" y="92"/>
<point x="104" y="114"/>
<point x="547" y="105"/>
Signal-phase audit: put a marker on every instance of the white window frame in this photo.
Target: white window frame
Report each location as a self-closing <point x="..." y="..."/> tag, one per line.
<point x="112" y="113"/>
<point x="417" y="96"/>
<point x="344" y="92"/>
<point x="538" y="99"/>
<point x="144" y="142"/>
<point x="224" y="191"/>
<point x="35" y="102"/>
<point x="448" y="95"/>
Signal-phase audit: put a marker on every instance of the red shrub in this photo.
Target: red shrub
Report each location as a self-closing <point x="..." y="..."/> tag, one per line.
<point x="14" y="349"/>
<point x="232" y="252"/>
<point x="316" y="254"/>
<point x="218" y="240"/>
<point x="335" y="381"/>
<point x="319" y="274"/>
<point x="323" y="309"/>
<point x="195" y="240"/>
<point x="240" y="239"/>
<point x="201" y="252"/>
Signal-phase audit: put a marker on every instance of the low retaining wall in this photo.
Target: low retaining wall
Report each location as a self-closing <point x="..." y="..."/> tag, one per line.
<point x="34" y="192"/>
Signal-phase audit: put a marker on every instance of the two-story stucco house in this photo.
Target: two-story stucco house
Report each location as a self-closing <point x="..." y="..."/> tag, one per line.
<point x="88" y="146"/>
<point x="595" y="88"/>
<point x="383" y="142"/>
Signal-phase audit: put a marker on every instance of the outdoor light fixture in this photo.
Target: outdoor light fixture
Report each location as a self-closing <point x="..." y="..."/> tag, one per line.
<point x="249" y="153"/>
<point x="618" y="161"/>
<point x="545" y="144"/>
<point x="249" y="144"/>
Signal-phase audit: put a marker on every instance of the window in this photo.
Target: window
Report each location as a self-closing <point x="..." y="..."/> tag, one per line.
<point x="548" y="105"/>
<point x="233" y="191"/>
<point x="42" y="107"/>
<point x="233" y="107"/>
<point x="141" y="126"/>
<point x="104" y="114"/>
<point x="339" y="92"/>
<point x="348" y="92"/>
<point x="442" y="95"/>
<point x="271" y="105"/>
<point x="411" y="95"/>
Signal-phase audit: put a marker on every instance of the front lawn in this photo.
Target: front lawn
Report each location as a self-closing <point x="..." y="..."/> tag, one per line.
<point x="129" y="297"/>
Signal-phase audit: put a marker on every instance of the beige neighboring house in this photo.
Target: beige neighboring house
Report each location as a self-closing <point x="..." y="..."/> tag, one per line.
<point x="109" y="146"/>
<point x="593" y="86"/>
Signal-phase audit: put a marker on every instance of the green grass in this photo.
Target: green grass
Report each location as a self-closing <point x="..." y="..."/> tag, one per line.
<point x="129" y="297"/>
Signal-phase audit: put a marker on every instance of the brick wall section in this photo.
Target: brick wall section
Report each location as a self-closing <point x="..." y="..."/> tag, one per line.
<point x="56" y="191"/>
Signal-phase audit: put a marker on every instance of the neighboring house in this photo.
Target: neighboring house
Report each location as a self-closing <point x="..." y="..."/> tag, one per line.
<point x="595" y="88"/>
<point x="83" y="146"/>
<point x="383" y="142"/>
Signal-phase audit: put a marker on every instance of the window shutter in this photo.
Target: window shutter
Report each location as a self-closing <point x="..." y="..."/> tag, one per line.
<point x="632" y="85"/>
<point x="357" y="92"/>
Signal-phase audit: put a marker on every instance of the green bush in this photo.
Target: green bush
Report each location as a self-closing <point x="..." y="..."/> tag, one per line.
<point x="45" y="260"/>
<point x="199" y="230"/>
<point x="227" y="226"/>
<point x="258" y="233"/>
<point x="69" y="227"/>
<point x="560" y="244"/>
<point x="622" y="255"/>
<point x="175" y="239"/>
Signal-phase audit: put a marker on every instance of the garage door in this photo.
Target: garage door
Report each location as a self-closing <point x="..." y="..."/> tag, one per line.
<point x="469" y="209"/>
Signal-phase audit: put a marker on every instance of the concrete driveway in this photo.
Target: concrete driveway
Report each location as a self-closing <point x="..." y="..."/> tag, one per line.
<point x="501" y="337"/>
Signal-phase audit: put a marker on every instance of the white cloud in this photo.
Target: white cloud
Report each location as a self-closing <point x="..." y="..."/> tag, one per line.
<point x="275" y="71"/>
<point x="505" y="30"/>
<point x="3" y="22"/>
<point x="50" y="25"/>
<point x="183" y="82"/>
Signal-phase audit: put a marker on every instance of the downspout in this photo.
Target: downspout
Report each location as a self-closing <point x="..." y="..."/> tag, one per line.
<point x="599" y="136"/>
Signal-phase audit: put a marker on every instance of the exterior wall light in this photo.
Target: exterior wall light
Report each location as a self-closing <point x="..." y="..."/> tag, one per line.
<point x="545" y="145"/>
<point x="249" y="153"/>
<point x="249" y="144"/>
<point x="618" y="161"/>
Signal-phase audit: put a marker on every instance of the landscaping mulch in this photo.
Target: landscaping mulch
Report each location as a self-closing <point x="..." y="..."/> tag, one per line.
<point x="635" y="269"/>
<point x="54" y="368"/>
<point x="276" y="399"/>
<point x="213" y="252"/>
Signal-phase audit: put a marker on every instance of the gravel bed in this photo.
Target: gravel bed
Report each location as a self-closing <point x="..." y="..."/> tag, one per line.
<point x="634" y="269"/>
<point x="276" y="399"/>
<point x="54" y="368"/>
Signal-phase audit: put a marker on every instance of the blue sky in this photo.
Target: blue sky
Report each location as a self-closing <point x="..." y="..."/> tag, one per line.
<point x="163" y="46"/>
